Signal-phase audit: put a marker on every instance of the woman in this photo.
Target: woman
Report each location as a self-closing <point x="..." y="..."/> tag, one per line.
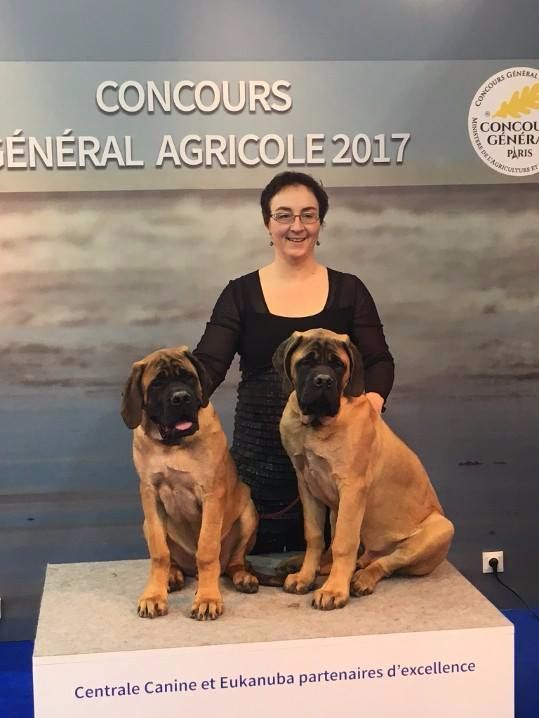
<point x="254" y="314"/>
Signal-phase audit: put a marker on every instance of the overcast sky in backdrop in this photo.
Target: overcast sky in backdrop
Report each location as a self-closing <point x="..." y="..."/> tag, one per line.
<point x="268" y="30"/>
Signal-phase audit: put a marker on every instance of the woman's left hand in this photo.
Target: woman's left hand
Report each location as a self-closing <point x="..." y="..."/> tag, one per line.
<point x="376" y="400"/>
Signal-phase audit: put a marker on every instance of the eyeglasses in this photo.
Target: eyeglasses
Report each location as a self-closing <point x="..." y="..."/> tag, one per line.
<point x="309" y="216"/>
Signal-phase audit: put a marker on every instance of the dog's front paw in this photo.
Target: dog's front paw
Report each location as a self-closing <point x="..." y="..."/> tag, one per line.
<point x="294" y="583"/>
<point x="207" y="607"/>
<point x="152" y="605"/>
<point x="245" y="582"/>
<point x="326" y="599"/>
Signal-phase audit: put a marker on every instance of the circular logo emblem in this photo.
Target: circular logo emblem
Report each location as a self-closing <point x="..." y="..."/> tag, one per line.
<point x="503" y="121"/>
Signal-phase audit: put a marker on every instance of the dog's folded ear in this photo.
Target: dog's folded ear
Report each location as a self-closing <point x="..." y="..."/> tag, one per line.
<point x="203" y="378"/>
<point x="282" y="358"/>
<point x="132" y="397"/>
<point x="356" y="382"/>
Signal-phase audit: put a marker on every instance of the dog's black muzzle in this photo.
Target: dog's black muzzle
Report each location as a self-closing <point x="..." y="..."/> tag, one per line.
<point x="319" y="392"/>
<point x="173" y="406"/>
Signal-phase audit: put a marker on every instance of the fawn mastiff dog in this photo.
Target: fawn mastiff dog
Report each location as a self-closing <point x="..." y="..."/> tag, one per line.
<point x="198" y="517"/>
<point x="348" y="459"/>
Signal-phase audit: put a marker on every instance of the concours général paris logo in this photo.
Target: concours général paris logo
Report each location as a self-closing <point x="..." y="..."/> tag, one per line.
<point x="503" y="121"/>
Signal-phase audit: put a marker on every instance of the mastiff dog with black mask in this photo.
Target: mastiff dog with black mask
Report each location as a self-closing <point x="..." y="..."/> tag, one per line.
<point x="348" y="459"/>
<point x="199" y="519"/>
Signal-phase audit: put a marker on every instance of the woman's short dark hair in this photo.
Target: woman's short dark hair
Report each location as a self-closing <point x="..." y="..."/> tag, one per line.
<point x="288" y="179"/>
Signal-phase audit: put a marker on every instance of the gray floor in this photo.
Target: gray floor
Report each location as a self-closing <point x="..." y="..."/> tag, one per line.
<point x="102" y="597"/>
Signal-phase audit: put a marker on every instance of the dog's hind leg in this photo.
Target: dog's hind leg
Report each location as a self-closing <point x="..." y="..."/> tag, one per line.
<point x="237" y="568"/>
<point x="417" y="555"/>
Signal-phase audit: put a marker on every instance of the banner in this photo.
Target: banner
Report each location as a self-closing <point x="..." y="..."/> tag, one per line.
<point x="200" y="125"/>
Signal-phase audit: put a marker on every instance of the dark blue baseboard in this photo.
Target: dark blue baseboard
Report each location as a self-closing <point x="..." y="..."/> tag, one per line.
<point x="526" y="662"/>
<point x="16" y="694"/>
<point x="16" y="691"/>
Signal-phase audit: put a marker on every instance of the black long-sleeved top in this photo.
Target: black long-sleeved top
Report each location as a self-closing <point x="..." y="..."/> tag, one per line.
<point x="241" y="323"/>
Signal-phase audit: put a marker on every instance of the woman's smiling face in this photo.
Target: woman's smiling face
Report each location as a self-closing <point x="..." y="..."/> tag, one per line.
<point x="295" y="239"/>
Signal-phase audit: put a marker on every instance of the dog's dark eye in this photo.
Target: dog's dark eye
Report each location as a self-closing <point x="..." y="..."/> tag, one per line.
<point x="335" y="362"/>
<point x="159" y="381"/>
<point x="308" y="359"/>
<point x="185" y="376"/>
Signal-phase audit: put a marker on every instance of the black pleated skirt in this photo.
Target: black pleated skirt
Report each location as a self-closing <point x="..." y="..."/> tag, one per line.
<point x="264" y="465"/>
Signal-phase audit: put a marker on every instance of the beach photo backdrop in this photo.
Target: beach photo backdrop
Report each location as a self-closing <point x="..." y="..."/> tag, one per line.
<point x="100" y="266"/>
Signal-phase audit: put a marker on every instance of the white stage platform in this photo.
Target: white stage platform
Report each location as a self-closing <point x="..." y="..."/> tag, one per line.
<point x="415" y="648"/>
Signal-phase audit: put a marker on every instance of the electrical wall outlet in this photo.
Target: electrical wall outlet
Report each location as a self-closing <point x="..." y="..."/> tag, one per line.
<point x="487" y="555"/>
